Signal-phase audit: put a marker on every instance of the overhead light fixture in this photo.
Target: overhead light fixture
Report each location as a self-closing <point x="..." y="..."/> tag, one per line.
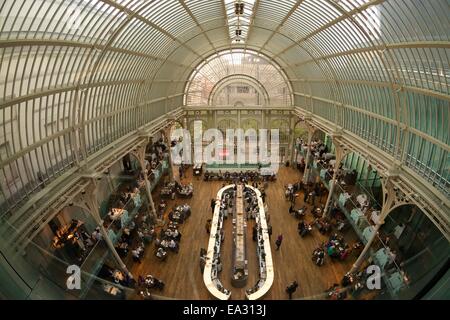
<point x="238" y="8"/>
<point x="239" y="17"/>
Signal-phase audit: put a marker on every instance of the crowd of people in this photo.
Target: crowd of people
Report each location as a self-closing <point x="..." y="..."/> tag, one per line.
<point x="135" y="237"/>
<point x="171" y="190"/>
<point x="169" y="238"/>
<point x="154" y="155"/>
<point x="234" y="177"/>
<point x="311" y="192"/>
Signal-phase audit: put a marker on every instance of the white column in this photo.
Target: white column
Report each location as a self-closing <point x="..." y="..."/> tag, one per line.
<point x="95" y="212"/>
<point x="168" y="142"/>
<point x="330" y="195"/>
<point x="366" y="249"/>
<point x="308" y="156"/>
<point x="339" y="156"/>
<point x="147" y="186"/>
<point x="390" y="195"/>
<point x="291" y="140"/>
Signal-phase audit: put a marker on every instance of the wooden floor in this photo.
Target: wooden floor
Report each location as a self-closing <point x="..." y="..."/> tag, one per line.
<point x="181" y="272"/>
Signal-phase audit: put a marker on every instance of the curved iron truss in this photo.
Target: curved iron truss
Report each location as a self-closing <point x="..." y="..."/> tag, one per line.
<point x="77" y="75"/>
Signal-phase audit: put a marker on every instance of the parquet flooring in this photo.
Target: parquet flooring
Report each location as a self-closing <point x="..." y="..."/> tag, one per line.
<point x="181" y="272"/>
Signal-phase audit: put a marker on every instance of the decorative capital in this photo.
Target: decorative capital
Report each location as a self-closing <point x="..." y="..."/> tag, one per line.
<point x="394" y="170"/>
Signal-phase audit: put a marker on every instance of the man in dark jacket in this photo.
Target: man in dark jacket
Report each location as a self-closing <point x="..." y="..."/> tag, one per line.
<point x="291" y="289"/>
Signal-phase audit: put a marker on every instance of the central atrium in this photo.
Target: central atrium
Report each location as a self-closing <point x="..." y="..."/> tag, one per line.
<point x="224" y="149"/>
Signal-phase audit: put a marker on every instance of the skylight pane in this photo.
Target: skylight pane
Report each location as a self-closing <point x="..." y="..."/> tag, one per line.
<point x="239" y="13"/>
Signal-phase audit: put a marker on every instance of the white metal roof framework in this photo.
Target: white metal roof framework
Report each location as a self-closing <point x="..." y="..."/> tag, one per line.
<point x="76" y="75"/>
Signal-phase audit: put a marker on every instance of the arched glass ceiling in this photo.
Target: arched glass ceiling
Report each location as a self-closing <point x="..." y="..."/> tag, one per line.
<point x="76" y="75"/>
<point x="234" y="63"/>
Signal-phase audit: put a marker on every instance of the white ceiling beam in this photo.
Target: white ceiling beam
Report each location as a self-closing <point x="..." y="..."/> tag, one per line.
<point x="330" y="24"/>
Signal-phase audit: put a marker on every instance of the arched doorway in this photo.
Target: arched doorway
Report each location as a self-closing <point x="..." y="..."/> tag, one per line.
<point x="225" y="124"/>
<point x="250" y="124"/>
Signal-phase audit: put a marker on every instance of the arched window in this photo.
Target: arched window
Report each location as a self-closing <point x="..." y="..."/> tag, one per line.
<point x="243" y="77"/>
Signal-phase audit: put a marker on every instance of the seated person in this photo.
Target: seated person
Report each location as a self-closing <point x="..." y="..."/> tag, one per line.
<point x="173" y="234"/>
<point x="162" y="206"/>
<point x="323" y="225"/>
<point x="122" y="249"/>
<point x="331" y="251"/>
<point x="164" y="243"/>
<point x="345" y="253"/>
<point x="217" y="264"/>
<point x="161" y="253"/>
<point x="291" y="208"/>
<point x="136" y="255"/>
<point x="300" y="212"/>
<point x="301" y="226"/>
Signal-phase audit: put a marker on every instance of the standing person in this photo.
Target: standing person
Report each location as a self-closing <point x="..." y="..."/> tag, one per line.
<point x="180" y="171"/>
<point x="213" y="205"/>
<point x="263" y="195"/>
<point x="291" y="208"/>
<point x="136" y="255"/>
<point x="290" y="289"/>
<point x="313" y="197"/>
<point x="279" y="241"/>
<point x="318" y="189"/>
<point x="291" y="195"/>
<point x="208" y="226"/>
<point x="305" y="197"/>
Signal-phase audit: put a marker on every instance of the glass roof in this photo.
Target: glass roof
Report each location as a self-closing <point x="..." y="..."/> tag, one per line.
<point x="76" y="75"/>
<point x="239" y="15"/>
